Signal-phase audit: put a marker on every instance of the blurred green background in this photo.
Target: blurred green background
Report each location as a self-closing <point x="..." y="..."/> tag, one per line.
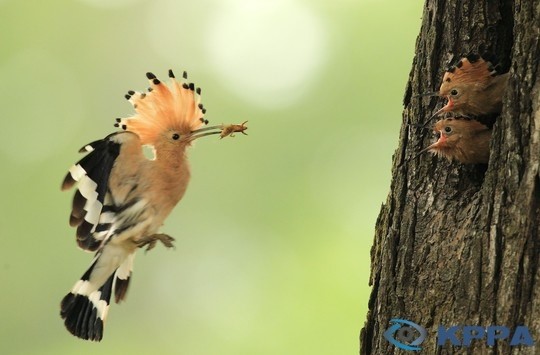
<point x="273" y="236"/>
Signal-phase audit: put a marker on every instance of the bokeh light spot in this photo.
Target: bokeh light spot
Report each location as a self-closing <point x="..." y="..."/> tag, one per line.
<point x="266" y="52"/>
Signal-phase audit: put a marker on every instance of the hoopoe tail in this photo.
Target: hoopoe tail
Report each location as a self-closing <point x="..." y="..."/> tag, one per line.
<point x="85" y="308"/>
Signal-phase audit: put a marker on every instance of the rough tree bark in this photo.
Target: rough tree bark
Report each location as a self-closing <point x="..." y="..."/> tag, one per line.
<point x="455" y="244"/>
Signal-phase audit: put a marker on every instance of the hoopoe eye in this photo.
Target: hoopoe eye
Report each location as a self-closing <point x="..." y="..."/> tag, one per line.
<point x="448" y="129"/>
<point x="176" y="136"/>
<point x="454" y="92"/>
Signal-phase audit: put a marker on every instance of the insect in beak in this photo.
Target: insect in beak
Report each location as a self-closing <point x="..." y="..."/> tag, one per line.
<point x="229" y="130"/>
<point x="223" y="130"/>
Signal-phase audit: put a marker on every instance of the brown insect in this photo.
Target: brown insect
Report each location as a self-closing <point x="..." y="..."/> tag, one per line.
<point x="229" y="130"/>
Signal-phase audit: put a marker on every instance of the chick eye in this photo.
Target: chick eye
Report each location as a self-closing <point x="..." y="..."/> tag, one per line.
<point x="175" y="136"/>
<point x="454" y="92"/>
<point x="437" y="134"/>
<point x="448" y="129"/>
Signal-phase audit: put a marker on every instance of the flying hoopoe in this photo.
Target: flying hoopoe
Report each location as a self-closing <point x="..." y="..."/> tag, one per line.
<point x="461" y="139"/>
<point x="123" y="198"/>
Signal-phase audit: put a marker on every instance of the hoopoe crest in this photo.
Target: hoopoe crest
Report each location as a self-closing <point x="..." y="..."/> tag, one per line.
<point x="123" y="198"/>
<point x="163" y="108"/>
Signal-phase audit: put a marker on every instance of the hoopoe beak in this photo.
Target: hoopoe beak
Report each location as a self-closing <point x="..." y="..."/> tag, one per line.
<point x="446" y="108"/>
<point x="205" y="131"/>
<point x="437" y="144"/>
<point x="449" y="105"/>
<point x="441" y="141"/>
<point x="423" y="125"/>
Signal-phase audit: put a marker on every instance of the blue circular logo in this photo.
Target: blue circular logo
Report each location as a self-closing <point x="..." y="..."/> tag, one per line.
<point x="405" y="334"/>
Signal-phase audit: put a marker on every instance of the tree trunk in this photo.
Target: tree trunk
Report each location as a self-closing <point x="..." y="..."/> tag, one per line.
<point x="456" y="244"/>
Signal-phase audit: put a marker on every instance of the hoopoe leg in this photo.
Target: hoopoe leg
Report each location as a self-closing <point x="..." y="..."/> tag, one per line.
<point x="150" y="241"/>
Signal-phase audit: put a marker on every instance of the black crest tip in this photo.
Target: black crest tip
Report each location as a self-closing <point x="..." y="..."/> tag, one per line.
<point x="198" y="91"/>
<point x="192" y="86"/>
<point x="150" y="76"/>
<point x="472" y="58"/>
<point x="488" y="56"/>
<point x="156" y="81"/>
<point x="131" y="92"/>
<point x="171" y="74"/>
<point x="184" y="75"/>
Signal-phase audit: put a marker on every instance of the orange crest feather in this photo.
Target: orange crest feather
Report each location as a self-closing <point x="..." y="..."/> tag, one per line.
<point x="472" y="69"/>
<point x="164" y="107"/>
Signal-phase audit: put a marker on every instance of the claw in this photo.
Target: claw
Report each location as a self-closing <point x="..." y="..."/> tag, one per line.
<point x="150" y="241"/>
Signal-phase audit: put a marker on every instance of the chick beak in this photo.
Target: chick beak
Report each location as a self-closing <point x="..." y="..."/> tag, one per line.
<point x="437" y="144"/>
<point x="449" y="106"/>
<point x="441" y="141"/>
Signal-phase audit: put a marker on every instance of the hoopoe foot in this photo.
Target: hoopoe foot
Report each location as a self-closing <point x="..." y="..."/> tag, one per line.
<point x="151" y="240"/>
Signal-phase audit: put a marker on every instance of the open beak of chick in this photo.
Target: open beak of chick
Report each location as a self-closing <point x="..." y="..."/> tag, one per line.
<point x="441" y="141"/>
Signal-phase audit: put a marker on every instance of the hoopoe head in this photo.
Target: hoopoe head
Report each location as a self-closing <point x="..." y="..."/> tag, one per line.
<point x="461" y="139"/>
<point x="166" y="115"/>
<point x="464" y="84"/>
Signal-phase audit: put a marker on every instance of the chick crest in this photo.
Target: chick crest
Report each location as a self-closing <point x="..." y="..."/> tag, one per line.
<point x="174" y="107"/>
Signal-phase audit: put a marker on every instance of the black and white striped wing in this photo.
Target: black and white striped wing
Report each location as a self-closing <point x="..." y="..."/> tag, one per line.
<point x="93" y="211"/>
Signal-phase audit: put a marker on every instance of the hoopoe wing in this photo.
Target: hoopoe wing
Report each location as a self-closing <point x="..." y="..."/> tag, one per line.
<point x="94" y="209"/>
